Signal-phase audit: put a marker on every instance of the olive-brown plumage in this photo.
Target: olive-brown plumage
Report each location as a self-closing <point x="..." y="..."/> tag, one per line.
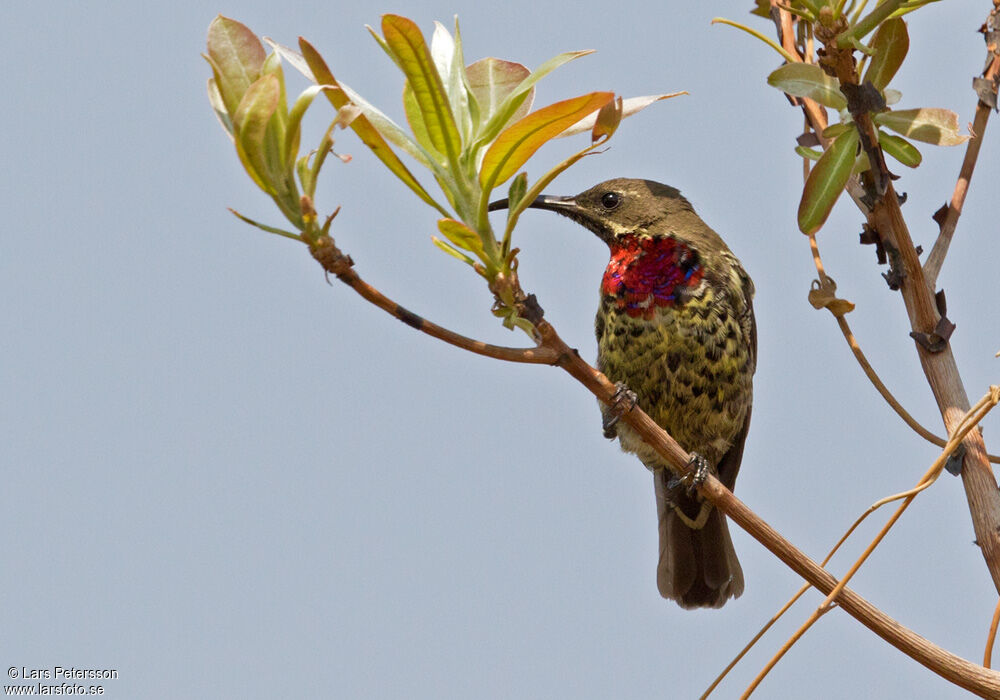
<point x="676" y="326"/>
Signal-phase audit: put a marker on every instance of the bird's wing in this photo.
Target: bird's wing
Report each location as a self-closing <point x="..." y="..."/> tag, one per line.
<point x="729" y="465"/>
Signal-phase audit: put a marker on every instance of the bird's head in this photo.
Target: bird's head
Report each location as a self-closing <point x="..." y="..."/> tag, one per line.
<point x="661" y="251"/>
<point x="625" y="209"/>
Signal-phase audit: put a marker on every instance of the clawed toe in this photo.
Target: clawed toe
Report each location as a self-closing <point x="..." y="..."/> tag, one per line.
<point x="622" y="401"/>
<point x="698" y="470"/>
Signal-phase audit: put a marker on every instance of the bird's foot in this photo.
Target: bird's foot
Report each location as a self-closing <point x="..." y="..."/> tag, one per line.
<point x="622" y="401"/>
<point x="698" y="471"/>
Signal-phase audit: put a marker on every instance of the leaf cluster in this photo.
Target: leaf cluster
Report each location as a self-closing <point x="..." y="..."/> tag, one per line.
<point x="471" y="126"/>
<point x="844" y="26"/>
<point x="247" y="93"/>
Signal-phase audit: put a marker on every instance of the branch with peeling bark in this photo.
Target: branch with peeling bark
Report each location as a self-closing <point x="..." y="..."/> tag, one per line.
<point x="934" y="353"/>
<point x="880" y="205"/>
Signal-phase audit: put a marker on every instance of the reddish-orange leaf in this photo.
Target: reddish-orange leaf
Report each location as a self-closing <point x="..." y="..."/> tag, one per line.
<point x="515" y="145"/>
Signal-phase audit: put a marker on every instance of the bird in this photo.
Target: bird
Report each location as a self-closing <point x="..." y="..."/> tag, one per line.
<point x="676" y="332"/>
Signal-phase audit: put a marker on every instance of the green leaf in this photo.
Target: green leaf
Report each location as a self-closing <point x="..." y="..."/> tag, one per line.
<point x="236" y="56"/>
<point x="514" y="211"/>
<point x="927" y="124"/>
<point x="491" y="81"/>
<point x="452" y="251"/>
<point x="250" y="125"/>
<point x="462" y="236"/>
<point x="629" y="107"/>
<point x="459" y="69"/>
<point x="762" y="9"/>
<point x="265" y="227"/>
<point x="826" y="181"/>
<point x="442" y="52"/>
<point x="861" y="163"/>
<point x="368" y="134"/>
<point x="891" y="42"/>
<point x="807" y="6"/>
<point x="219" y="107"/>
<point x="810" y="153"/>
<point x="754" y="33"/>
<point x="403" y="37"/>
<point x="294" y="126"/>
<point x="519" y="142"/>
<point x="293" y="58"/>
<point x="389" y="129"/>
<point x="516" y="192"/>
<point x="860" y="29"/>
<point x="275" y="139"/>
<point x="900" y="149"/>
<point x="516" y="97"/>
<point x="808" y="80"/>
<point x="414" y="117"/>
<point x="857" y="45"/>
<point x="910" y="6"/>
<point x="835" y="130"/>
<point x="447" y="54"/>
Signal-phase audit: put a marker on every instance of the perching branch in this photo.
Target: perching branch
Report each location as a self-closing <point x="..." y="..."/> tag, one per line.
<point x="959" y="671"/>
<point x="340" y="265"/>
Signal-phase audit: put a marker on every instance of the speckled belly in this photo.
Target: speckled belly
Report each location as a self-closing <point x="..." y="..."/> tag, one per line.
<point x="690" y="367"/>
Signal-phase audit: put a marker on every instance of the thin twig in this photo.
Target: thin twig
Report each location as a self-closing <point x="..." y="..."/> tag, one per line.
<point x="937" y="255"/>
<point x="946" y="384"/>
<point x="336" y="263"/>
<point x="789" y="643"/>
<point x="756" y="638"/>
<point x="887" y="395"/>
<point x="991" y="637"/>
<point x="969" y="421"/>
<point x="554" y="351"/>
<point x="814" y="111"/>
<point x="839" y="313"/>
<point x="881" y="388"/>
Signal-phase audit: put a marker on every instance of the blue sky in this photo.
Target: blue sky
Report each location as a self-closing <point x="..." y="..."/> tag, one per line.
<point x="225" y="478"/>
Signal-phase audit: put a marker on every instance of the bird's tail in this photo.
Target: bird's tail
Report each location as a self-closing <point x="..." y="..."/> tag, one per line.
<point x="697" y="568"/>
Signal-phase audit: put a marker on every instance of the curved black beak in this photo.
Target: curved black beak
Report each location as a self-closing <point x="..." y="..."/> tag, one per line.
<point x="543" y="201"/>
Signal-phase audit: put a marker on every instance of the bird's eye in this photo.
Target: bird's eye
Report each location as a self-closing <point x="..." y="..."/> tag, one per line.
<point x="610" y="200"/>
